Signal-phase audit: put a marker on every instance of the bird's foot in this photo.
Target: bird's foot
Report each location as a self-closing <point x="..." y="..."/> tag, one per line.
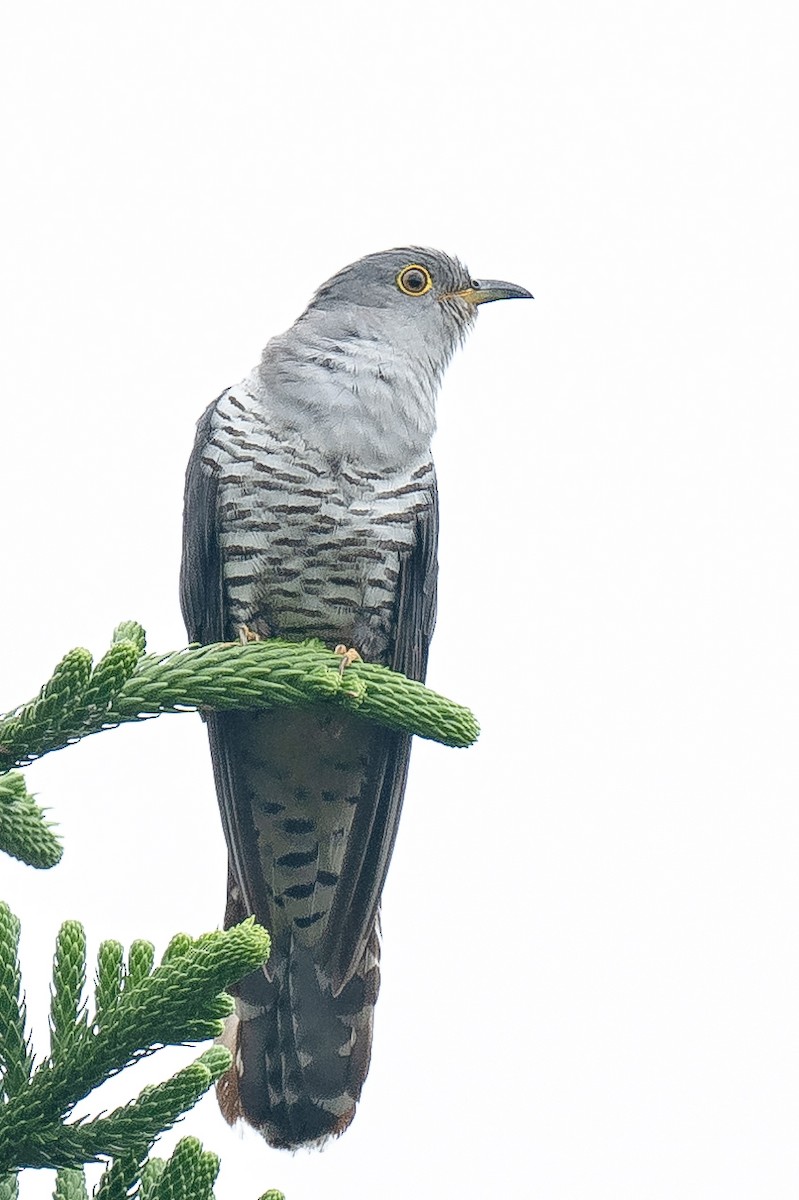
<point x="348" y="657"/>
<point x="248" y="635"/>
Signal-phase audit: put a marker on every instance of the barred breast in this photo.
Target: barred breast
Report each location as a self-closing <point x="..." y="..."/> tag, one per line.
<point x="310" y="544"/>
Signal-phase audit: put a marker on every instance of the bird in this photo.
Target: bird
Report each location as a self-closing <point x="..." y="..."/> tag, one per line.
<point x="311" y="511"/>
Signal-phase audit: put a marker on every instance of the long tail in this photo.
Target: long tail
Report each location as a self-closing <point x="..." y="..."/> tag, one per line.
<point x="300" y="1053"/>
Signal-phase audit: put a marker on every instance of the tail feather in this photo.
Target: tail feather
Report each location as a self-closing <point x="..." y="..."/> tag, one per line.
<point x="300" y="1052"/>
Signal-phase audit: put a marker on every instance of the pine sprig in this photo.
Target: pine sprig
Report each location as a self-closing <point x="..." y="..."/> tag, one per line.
<point x="130" y="631"/>
<point x="108" y="981"/>
<point x="75" y="700"/>
<point x="190" y="1174"/>
<point x="182" y="1000"/>
<point x="68" y="1018"/>
<point x="9" y="1187"/>
<point x="112" y="671"/>
<point x="180" y="944"/>
<point x="151" y="1173"/>
<point x="16" y="1058"/>
<point x="141" y="957"/>
<point x="70" y="1184"/>
<point x="271" y="674"/>
<point x="57" y="700"/>
<point x="139" y="1123"/>
<point x="205" y="1174"/>
<point x="25" y="833"/>
<point x="119" y="1178"/>
<point x="127" y="686"/>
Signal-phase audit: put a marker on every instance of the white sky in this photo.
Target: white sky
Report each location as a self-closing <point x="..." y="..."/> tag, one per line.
<point x="591" y="927"/>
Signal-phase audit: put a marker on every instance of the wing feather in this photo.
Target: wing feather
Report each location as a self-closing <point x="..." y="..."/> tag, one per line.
<point x="201" y="584"/>
<point x="374" y="829"/>
<point x="202" y="598"/>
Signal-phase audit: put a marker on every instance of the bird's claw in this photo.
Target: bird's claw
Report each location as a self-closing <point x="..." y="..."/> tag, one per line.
<point x="348" y="657"/>
<point x="248" y="635"/>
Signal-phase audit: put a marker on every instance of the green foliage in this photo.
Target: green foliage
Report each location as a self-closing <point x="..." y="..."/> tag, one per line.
<point x="68" y="1016"/>
<point x="24" y="832"/>
<point x="191" y="1171"/>
<point x="70" y="1184"/>
<point x="138" y="1007"/>
<point x="108" y="984"/>
<point x="9" y="1187"/>
<point x="16" y="1058"/>
<point x="129" y="685"/>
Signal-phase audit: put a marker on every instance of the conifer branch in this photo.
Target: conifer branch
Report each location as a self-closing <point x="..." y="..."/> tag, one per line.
<point x="25" y="833"/>
<point x="129" y="685"/>
<point x="16" y="1057"/>
<point x="70" y="1184"/>
<point x="182" y="1000"/>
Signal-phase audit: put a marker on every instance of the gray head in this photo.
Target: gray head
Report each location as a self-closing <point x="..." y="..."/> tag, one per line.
<point x="409" y="288"/>
<point x="369" y="351"/>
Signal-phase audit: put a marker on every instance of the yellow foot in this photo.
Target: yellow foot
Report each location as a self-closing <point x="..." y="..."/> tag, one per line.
<point x="348" y="657"/>
<point x="248" y="635"/>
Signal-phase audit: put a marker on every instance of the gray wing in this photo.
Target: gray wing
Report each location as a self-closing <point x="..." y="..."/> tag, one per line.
<point x="201" y="583"/>
<point x="202" y="599"/>
<point x="374" y="829"/>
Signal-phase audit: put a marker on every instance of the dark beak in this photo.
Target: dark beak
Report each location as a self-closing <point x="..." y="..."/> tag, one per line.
<point x="483" y="291"/>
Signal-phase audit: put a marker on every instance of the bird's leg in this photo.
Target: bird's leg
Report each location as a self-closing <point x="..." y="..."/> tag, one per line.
<point x="348" y="657"/>
<point x="248" y="635"/>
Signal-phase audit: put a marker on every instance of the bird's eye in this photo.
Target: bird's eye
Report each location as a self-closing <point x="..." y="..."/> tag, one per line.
<point x="414" y="280"/>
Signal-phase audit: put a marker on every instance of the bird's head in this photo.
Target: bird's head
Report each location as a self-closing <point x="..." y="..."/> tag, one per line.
<point x="409" y="291"/>
<point x="360" y="368"/>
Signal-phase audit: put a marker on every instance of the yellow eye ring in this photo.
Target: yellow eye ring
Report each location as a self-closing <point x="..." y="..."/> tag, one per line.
<point x="414" y="280"/>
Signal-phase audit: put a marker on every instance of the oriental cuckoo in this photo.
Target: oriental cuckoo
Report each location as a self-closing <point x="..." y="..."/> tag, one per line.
<point x="311" y="512"/>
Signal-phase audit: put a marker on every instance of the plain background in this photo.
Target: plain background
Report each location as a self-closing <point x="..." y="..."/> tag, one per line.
<point x="591" y="985"/>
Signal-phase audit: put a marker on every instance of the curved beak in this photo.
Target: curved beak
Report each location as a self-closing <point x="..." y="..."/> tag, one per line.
<point x="483" y="291"/>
